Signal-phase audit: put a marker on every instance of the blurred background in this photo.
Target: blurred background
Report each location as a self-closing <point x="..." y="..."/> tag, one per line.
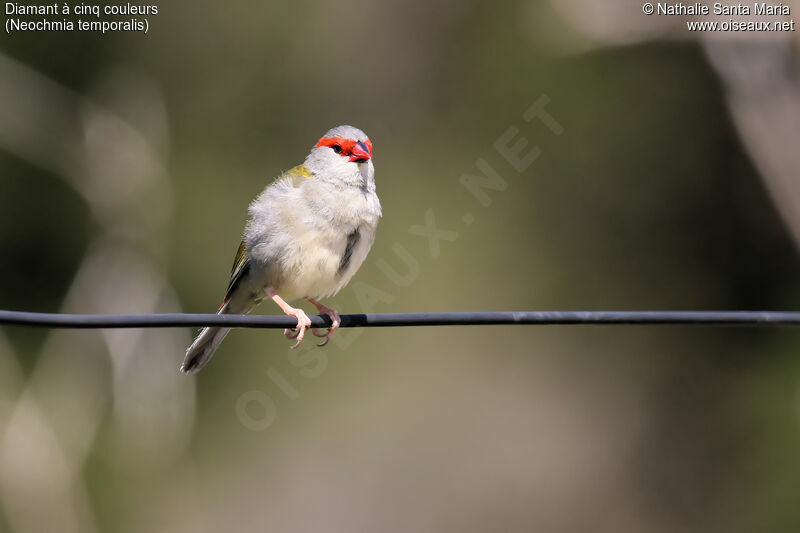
<point x="666" y="178"/>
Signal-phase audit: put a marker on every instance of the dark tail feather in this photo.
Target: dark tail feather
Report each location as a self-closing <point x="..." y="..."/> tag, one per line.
<point x="203" y="347"/>
<point x="209" y="339"/>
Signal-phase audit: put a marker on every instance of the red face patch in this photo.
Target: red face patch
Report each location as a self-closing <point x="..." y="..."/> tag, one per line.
<point x="343" y="146"/>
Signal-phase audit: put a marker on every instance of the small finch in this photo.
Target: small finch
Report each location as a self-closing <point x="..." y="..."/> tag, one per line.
<point x="308" y="233"/>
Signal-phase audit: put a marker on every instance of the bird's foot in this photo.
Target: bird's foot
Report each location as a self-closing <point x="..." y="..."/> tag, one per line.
<point x="303" y="321"/>
<point x="336" y="320"/>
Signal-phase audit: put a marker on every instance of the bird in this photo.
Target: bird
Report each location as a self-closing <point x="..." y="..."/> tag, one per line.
<point x="307" y="234"/>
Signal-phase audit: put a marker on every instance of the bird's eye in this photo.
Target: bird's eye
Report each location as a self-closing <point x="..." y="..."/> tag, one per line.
<point x="337" y="148"/>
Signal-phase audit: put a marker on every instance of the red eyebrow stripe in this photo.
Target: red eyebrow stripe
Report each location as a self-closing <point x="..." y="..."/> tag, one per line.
<point x="346" y="144"/>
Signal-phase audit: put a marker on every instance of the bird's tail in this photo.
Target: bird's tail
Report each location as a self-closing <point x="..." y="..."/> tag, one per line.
<point x="209" y="339"/>
<point x="203" y="347"/>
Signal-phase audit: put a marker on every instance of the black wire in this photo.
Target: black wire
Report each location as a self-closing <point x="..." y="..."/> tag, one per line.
<point x="170" y="320"/>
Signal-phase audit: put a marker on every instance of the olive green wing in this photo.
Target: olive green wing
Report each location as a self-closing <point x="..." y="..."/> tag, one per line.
<point x="298" y="175"/>
<point x="241" y="265"/>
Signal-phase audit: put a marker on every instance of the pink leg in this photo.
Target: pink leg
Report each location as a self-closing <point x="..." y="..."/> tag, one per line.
<point x="302" y="319"/>
<point x="334" y="316"/>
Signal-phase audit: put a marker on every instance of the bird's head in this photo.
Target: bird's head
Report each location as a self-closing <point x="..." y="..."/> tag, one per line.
<point x="343" y="155"/>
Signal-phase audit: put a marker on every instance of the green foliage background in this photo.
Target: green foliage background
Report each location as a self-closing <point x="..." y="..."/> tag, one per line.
<point x="646" y="201"/>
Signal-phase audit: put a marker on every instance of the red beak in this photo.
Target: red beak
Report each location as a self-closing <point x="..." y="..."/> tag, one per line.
<point x="360" y="153"/>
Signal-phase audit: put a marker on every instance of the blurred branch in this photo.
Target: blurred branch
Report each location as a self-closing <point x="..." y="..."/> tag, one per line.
<point x="171" y="320"/>
<point x="758" y="70"/>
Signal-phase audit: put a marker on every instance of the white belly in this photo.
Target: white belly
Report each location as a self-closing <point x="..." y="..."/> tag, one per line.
<point x="316" y="261"/>
<point x="297" y="236"/>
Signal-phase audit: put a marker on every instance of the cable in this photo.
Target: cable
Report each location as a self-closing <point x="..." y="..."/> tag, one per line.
<point x="171" y="320"/>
